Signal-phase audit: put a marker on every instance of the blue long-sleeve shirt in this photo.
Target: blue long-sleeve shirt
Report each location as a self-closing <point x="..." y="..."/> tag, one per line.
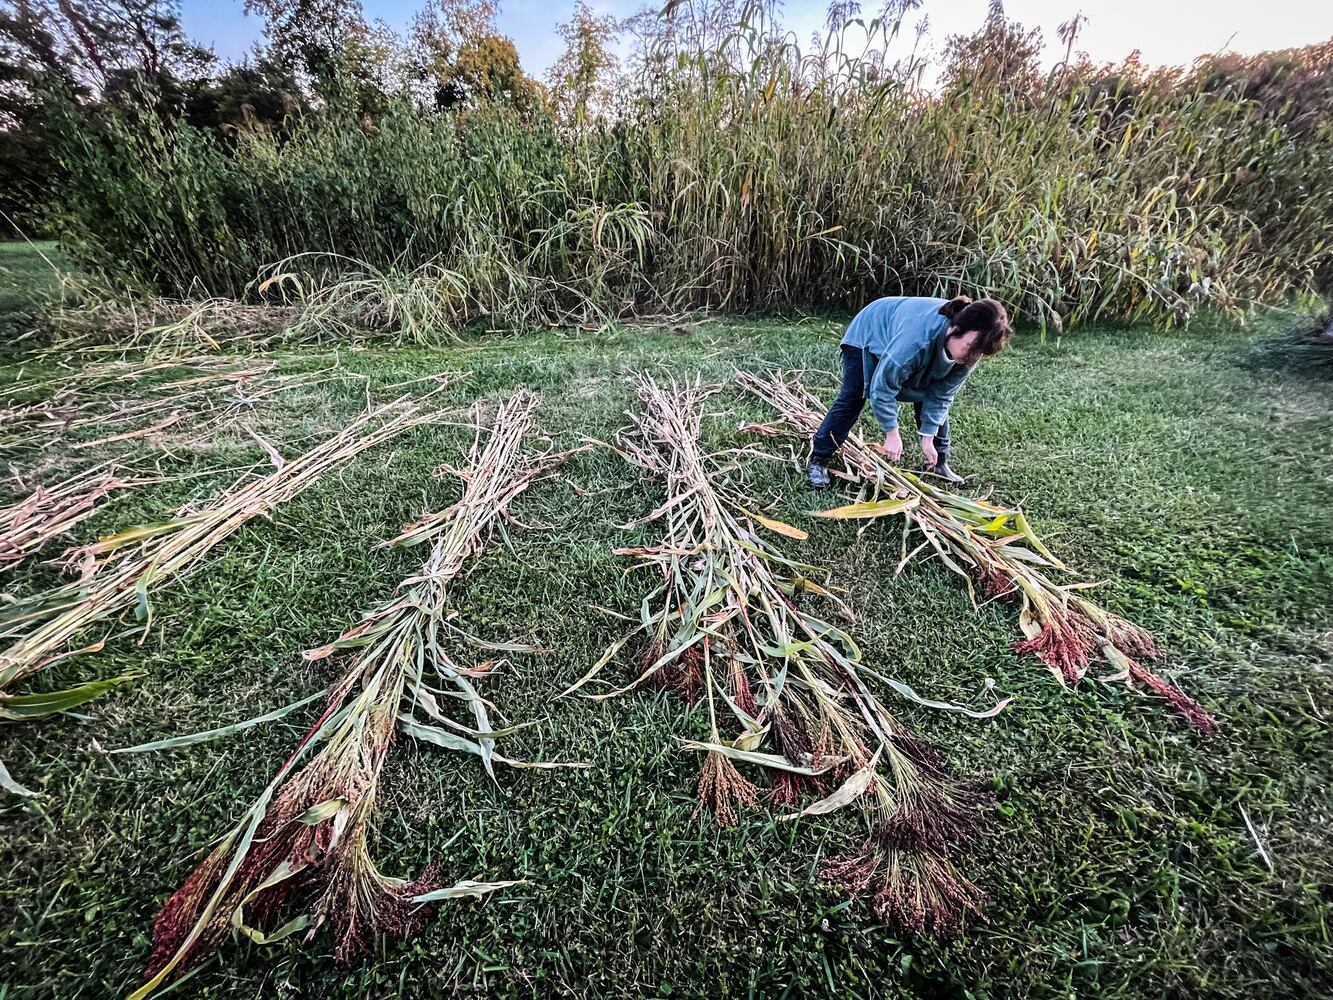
<point x="902" y="344"/>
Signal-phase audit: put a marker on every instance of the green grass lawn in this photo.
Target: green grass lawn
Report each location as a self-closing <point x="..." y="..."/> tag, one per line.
<point x="1118" y="861"/>
<point x="25" y="276"/>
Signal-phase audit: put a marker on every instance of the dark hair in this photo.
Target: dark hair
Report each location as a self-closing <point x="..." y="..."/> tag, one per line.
<point x="954" y="306"/>
<point x="986" y="316"/>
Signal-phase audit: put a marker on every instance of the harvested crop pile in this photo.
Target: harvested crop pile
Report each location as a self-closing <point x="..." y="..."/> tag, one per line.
<point x="790" y="689"/>
<point x="304" y="842"/>
<point x="94" y="320"/>
<point x="130" y="401"/>
<point x="48" y="512"/>
<point x="119" y="570"/>
<point x="988" y="546"/>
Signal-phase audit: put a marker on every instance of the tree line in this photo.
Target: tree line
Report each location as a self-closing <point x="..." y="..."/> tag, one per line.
<point x="315" y="55"/>
<point x="697" y="155"/>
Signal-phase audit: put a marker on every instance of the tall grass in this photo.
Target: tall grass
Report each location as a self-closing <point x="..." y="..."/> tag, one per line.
<point x="740" y="172"/>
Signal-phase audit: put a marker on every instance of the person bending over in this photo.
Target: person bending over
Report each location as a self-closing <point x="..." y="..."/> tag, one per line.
<point x="911" y="350"/>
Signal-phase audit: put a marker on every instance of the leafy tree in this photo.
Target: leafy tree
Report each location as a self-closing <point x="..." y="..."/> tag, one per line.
<point x="487" y="69"/>
<point x="86" y="51"/>
<point x="94" y="45"/>
<point x="309" y="34"/>
<point x="580" y="82"/>
<point x="341" y="56"/>
<point x="461" y="57"/>
<point x="440" y="27"/>
<point x="258" y="91"/>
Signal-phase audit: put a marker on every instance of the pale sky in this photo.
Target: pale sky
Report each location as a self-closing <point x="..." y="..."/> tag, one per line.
<point x="1166" y="31"/>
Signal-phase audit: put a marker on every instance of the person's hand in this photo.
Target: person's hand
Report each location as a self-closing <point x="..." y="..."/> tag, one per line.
<point x="893" y="445"/>
<point x="928" y="451"/>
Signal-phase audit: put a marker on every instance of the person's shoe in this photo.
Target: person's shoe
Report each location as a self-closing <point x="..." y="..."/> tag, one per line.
<point x="942" y="470"/>
<point x="816" y="471"/>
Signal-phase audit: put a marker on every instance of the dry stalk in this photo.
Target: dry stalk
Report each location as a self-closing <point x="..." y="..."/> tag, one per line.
<point x="122" y="401"/>
<point x="93" y="325"/>
<point x="988" y="545"/>
<point x="49" y="512"/>
<point x="725" y="624"/>
<point x="306" y="838"/>
<point x="119" y="570"/>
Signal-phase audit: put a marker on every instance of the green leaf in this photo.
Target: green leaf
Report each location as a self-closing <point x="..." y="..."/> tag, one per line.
<point x="906" y="691"/>
<point x="790" y="648"/>
<point x="1021" y="523"/>
<point x="141" y="607"/>
<point x="440" y="737"/>
<point x="11" y="786"/>
<point x="35" y="706"/>
<point x="663" y="660"/>
<point x="39" y="607"/>
<point x="142" y="532"/>
<point x="293" y="926"/>
<point x="284" y="871"/>
<point x="321" y="812"/>
<point x="443" y="738"/>
<point x="175" y="742"/>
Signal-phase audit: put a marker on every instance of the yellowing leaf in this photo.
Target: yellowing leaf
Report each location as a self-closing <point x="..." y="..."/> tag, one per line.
<point x="868" y="509"/>
<point x="321" y="812"/>
<point x="780" y="527"/>
<point x="844" y="795"/>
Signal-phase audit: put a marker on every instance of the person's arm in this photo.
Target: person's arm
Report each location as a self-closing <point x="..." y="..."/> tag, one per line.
<point x="935" y="405"/>
<point x="884" y="386"/>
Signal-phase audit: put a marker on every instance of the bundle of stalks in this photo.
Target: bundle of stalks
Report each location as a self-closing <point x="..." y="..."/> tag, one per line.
<point x="119" y="570"/>
<point x="27" y="525"/>
<point x="725" y="626"/>
<point x="987" y="545"/>
<point x="305" y="840"/>
<point x="204" y="401"/>
<point x="89" y="377"/>
<point x="95" y="321"/>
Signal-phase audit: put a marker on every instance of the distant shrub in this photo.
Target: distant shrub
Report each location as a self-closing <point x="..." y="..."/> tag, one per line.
<point x="739" y="173"/>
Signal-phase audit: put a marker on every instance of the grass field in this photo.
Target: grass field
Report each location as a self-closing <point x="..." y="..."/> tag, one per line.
<point x="1119" y="860"/>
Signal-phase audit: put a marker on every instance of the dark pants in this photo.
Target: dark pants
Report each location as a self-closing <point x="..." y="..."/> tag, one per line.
<point x="847" y="407"/>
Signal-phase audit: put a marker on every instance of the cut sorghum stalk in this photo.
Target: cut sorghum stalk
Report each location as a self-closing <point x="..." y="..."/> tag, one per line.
<point x="305" y="840"/>
<point x="130" y="401"/>
<point x="41" y="628"/>
<point x="988" y="545"/>
<point x="49" y="512"/>
<point x="790" y="690"/>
